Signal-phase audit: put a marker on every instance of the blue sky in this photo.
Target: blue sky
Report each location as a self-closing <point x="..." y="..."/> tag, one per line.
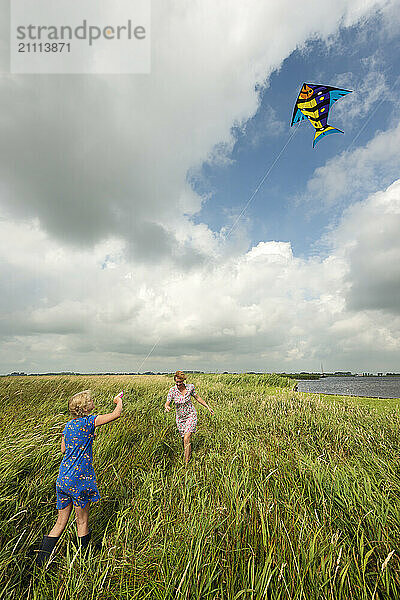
<point x="280" y="211"/>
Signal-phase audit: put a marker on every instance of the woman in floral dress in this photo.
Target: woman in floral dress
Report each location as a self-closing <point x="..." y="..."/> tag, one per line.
<point x="186" y="415"/>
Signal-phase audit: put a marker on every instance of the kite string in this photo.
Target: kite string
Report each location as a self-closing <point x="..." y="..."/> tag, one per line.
<point x="243" y="211"/>
<point x="385" y="97"/>
<point x="153" y="348"/>
<point x="365" y="124"/>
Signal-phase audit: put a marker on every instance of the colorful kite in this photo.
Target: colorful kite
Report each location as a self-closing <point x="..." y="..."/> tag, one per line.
<point x="314" y="103"/>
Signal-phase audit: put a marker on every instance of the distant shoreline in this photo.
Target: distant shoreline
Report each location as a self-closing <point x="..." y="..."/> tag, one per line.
<point x="296" y="376"/>
<point x="350" y="395"/>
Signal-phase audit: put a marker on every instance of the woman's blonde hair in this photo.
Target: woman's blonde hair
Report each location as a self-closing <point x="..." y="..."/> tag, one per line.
<point x="180" y="375"/>
<point x="79" y="403"/>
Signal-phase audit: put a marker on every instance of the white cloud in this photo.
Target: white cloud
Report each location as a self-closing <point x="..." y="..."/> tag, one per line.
<point x="261" y="309"/>
<point x="369" y="91"/>
<point x="370" y="242"/>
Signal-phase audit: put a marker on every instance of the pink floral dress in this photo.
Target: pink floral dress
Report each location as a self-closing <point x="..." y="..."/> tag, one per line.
<point x="186" y="415"/>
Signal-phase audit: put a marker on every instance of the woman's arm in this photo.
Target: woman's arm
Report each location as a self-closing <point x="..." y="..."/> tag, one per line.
<point x="112" y="416"/>
<point x="201" y="401"/>
<point x="62" y="445"/>
<point x="167" y="405"/>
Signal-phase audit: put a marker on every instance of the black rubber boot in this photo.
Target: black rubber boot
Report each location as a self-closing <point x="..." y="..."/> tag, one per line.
<point x="46" y="548"/>
<point x="84" y="540"/>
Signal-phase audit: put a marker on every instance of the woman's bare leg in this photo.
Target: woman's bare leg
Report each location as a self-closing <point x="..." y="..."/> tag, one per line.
<point x="62" y="520"/>
<point x="82" y="519"/>
<point x="187" y="446"/>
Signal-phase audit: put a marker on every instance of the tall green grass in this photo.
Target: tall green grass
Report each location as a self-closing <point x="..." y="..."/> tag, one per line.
<point x="288" y="495"/>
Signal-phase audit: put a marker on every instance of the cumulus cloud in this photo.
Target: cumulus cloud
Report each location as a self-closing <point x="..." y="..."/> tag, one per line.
<point x="260" y="309"/>
<point x="370" y="90"/>
<point x="356" y="173"/>
<point x="370" y="242"/>
<point x="95" y="197"/>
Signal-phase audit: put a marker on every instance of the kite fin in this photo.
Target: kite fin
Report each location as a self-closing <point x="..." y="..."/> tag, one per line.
<point x="336" y="94"/>
<point x="297" y="116"/>
<point x="321" y="133"/>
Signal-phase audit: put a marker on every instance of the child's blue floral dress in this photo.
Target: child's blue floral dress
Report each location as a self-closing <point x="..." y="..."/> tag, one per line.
<point x="76" y="480"/>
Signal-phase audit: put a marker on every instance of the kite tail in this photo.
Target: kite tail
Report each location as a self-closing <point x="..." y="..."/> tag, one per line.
<point x="322" y="132"/>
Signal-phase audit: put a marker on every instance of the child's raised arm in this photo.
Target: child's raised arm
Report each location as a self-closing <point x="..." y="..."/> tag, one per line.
<point x="112" y="416"/>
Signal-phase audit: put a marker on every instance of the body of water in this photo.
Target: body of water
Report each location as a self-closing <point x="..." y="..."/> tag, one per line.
<point x="372" y="387"/>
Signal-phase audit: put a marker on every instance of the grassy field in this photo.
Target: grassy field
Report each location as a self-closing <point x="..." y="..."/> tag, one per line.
<point x="288" y="495"/>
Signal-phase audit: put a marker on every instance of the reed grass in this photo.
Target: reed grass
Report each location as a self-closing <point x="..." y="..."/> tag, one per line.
<point x="288" y="495"/>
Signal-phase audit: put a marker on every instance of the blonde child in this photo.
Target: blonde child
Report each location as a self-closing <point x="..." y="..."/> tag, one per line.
<point x="76" y="482"/>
